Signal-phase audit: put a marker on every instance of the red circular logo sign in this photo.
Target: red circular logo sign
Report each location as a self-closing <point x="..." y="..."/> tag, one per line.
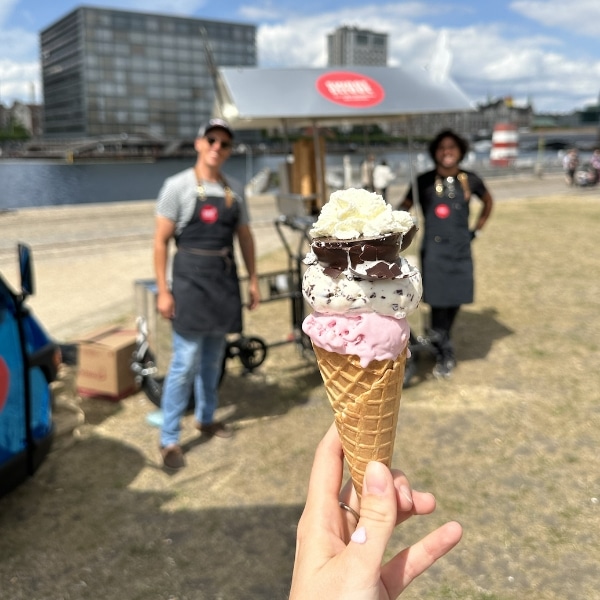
<point x="4" y="383"/>
<point x="209" y="213"/>
<point x="350" y="89"/>
<point x="442" y="211"/>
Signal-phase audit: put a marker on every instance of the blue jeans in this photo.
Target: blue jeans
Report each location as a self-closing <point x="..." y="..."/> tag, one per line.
<point x="197" y="360"/>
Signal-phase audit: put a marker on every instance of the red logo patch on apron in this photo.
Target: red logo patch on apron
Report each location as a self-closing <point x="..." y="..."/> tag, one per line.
<point x="4" y="383"/>
<point x="208" y="213"/>
<point x="442" y="211"/>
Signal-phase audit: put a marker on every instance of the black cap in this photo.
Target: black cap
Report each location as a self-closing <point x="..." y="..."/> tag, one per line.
<point x="215" y="124"/>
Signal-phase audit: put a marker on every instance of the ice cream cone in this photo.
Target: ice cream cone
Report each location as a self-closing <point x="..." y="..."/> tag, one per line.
<point x="366" y="403"/>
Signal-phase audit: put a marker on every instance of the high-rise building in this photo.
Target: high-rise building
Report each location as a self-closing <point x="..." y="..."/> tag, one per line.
<point x="108" y="72"/>
<point x="353" y="46"/>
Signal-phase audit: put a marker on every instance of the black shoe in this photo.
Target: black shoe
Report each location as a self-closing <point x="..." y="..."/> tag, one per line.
<point x="443" y="368"/>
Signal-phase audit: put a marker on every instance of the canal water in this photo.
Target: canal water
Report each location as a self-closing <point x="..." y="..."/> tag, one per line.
<point x="32" y="183"/>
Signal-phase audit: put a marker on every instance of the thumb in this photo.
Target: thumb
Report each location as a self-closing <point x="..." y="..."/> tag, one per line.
<point x="377" y="516"/>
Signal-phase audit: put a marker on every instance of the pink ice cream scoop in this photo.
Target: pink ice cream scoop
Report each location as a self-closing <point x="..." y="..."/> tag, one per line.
<point x="367" y="335"/>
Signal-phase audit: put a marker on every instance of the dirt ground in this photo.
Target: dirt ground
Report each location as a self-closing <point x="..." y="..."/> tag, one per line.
<point x="509" y="445"/>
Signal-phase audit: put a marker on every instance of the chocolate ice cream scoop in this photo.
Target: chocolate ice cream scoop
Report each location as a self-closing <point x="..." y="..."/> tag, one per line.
<point x="335" y="253"/>
<point x="338" y="254"/>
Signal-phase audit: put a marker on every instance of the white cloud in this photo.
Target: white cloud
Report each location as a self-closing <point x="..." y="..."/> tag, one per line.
<point x="267" y="11"/>
<point x="487" y="60"/>
<point x="302" y="41"/>
<point x="521" y="68"/>
<point x="17" y="44"/>
<point x="577" y="16"/>
<point x="19" y="80"/>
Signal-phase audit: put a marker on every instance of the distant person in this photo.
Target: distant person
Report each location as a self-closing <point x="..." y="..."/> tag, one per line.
<point x="339" y="555"/>
<point x="382" y="177"/>
<point x="366" y="173"/>
<point x="595" y="164"/>
<point x="570" y="164"/>
<point x="446" y="263"/>
<point x="202" y="212"/>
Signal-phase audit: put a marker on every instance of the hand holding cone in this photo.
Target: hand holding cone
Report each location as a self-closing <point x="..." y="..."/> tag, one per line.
<point x="361" y="290"/>
<point x="366" y="405"/>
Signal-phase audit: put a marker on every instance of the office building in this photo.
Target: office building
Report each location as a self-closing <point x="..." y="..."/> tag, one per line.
<point x="353" y="46"/>
<point x="113" y="72"/>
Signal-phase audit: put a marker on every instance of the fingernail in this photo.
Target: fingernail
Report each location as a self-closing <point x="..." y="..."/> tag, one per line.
<point x="359" y="536"/>
<point x="405" y="493"/>
<point x="376" y="480"/>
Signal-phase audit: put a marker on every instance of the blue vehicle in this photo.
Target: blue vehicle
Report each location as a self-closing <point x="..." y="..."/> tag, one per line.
<point x="29" y="361"/>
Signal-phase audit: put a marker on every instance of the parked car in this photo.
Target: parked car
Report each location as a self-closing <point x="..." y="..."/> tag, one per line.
<point x="29" y="361"/>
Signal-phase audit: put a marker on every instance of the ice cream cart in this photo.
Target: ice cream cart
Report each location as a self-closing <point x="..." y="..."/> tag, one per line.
<point x="311" y="99"/>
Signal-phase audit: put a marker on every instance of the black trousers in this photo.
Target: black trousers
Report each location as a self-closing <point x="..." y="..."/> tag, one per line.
<point x="442" y="319"/>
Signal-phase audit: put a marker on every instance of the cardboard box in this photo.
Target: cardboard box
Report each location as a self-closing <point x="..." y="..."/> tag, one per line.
<point x="104" y="363"/>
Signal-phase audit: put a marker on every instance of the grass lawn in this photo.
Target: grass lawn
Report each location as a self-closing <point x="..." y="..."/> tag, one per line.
<point x="509" y="446"/>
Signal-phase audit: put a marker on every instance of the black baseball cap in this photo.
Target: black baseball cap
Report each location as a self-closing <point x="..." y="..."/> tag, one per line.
<point x="215" y="124"/>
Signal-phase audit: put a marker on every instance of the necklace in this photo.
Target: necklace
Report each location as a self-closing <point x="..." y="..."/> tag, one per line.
<point x="447" y="184"/>
<point x="201" y="192"/>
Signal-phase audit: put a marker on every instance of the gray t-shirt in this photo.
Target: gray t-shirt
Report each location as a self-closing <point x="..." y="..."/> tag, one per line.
<point x="178" y="194"/>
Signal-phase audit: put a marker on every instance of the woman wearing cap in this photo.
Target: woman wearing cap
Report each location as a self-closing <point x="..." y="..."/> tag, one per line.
<point x="203" y="212"/>
<point x="446" y="262"/>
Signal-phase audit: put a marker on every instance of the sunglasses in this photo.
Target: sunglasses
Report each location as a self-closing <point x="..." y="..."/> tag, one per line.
<point x="213" y="140"/>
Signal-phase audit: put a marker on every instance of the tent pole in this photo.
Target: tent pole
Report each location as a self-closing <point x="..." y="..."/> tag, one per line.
<point x="319" y="162"/>
<point x="286" y="138"/>
<point x="417" y="206"/>
<point x="412" y="171"/>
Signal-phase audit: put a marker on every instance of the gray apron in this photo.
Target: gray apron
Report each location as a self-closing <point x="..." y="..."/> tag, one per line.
<point x="205" y="281"/>
<point x="446" y="261"/>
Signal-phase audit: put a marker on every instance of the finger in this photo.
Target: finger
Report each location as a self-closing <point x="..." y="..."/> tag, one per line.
<point x="410" y="502"/>
<point x="423" y="503"/>
<point x="404" y="494"/>
<point x="326" y="474"/>
<point x="348" y="495"/>
<point x="377" y="519"/>
<point x="407" y="565"/>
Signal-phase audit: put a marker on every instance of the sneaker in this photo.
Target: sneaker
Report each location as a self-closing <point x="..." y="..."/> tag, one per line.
<point x="172" y="456"/>
<point x="443" y="368"/>
<point x="217" y="428"/>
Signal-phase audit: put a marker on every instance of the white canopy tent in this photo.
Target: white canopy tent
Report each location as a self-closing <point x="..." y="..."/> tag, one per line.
<point x="260" y="98"/>
<point x="255" y="98"/>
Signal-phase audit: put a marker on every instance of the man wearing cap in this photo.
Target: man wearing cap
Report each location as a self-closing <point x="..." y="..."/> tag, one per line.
<point x="202" y="211"/>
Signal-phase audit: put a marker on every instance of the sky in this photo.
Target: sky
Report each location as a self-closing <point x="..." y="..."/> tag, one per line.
<point x="541" y="51"/>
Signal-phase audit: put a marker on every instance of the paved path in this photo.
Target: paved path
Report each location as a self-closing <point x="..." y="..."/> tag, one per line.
<point x="88" y="257"/>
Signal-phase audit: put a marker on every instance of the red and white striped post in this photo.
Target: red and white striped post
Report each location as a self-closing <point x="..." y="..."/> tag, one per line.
<point x="505" y="145"/>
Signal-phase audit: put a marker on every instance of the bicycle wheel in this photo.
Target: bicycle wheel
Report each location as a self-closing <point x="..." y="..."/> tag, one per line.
<point x="152" y="385"/>
<point x="253" y="352"/>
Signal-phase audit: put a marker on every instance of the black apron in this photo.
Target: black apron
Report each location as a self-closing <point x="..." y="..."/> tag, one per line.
<point x="205" y="281"/>
<point x="446" y="261"/>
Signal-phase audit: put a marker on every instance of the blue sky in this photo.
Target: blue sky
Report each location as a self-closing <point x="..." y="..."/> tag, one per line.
<point x="545" y="51"/>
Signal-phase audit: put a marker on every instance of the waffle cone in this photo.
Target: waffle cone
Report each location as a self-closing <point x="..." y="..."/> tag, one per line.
<point x="366" y="402"/>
